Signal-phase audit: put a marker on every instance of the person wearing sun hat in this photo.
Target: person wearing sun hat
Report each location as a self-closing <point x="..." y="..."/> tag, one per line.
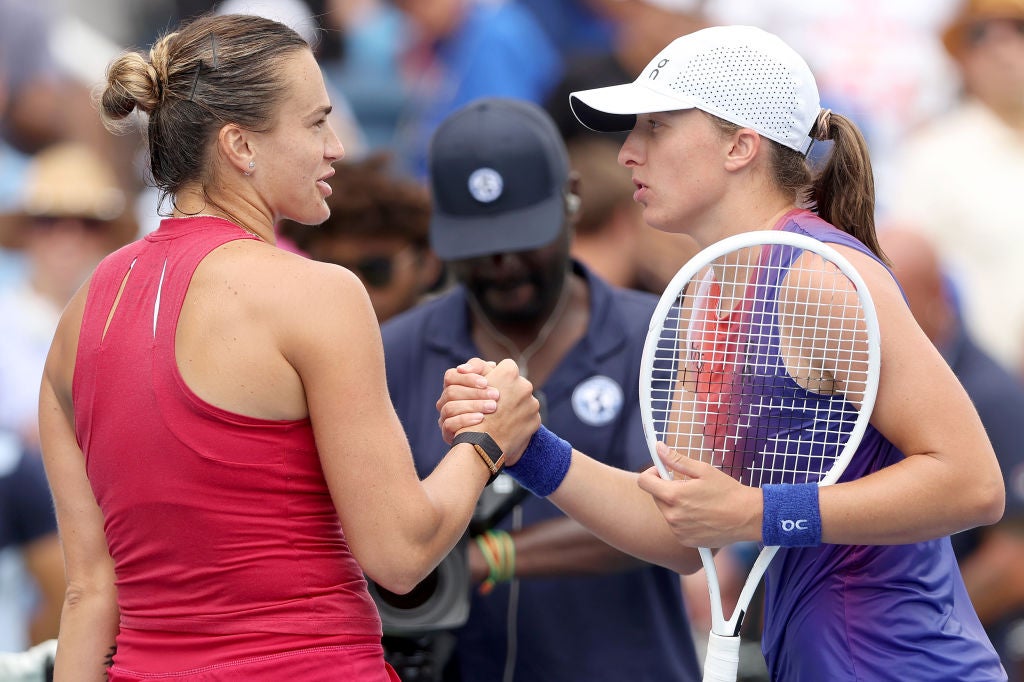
<point x="71" y="212"/>
<point x="959" y="176"/>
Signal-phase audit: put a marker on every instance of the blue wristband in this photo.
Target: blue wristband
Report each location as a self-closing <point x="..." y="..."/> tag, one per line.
<point x="791" y="515"/>
<point x="544" y="463"/>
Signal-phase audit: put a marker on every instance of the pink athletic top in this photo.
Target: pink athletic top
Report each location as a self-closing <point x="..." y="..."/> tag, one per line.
<point x="218" y="523"/>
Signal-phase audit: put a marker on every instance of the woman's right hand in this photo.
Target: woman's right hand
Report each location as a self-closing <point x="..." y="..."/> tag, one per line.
<point x="492" y="397"/>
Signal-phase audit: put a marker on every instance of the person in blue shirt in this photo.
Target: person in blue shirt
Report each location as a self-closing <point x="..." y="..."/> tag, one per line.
<point x="720" y="125"/>
<point x="551" y="602"/>
<point x="463" y="50"/>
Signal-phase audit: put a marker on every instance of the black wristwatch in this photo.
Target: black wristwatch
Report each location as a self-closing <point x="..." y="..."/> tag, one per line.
<point x="489" y="451"/>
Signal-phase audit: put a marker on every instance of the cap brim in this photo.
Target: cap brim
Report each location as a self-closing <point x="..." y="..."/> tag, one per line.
<point x="614" y="109"/>
<point x="456" y="237"/>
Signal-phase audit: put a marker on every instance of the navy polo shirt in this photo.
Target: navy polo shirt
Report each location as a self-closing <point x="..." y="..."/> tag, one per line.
<point x="626" y="626"/>
<point x="26" y="509"/>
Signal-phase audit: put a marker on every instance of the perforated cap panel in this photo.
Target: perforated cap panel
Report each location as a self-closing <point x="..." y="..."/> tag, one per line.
<point x="742" y="86"/>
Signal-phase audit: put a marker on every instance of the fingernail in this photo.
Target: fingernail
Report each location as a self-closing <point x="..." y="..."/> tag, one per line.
<point x="490" y="406"/>
<point x="492" y="393"/>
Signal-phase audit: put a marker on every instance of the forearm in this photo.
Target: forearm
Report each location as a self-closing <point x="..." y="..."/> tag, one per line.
<point x="608" y="502"/>
<point x="920" y="498"/>
<point x="429" y="522"/>
<point x="88" y="628"/>
<point x="557" y="547"/>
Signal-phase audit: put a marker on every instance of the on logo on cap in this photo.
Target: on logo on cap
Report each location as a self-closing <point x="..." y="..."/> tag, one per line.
<point x="486" y="185"/>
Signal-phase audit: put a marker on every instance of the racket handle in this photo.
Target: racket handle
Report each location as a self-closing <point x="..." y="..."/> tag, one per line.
<point x="722" y="663"/>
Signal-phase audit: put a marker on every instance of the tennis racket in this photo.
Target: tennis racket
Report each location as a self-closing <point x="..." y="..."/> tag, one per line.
<point x="761" y="359"/>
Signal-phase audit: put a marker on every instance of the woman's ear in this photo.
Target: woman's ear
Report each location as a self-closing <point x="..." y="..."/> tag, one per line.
<point x="744" y="146"/>
<point x="234" y="145"/>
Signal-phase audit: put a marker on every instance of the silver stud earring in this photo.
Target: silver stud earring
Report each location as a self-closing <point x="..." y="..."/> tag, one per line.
<point x="252" y="164"/>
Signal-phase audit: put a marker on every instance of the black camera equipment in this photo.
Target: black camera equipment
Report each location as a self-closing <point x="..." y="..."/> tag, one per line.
<point x="418" y="626"/>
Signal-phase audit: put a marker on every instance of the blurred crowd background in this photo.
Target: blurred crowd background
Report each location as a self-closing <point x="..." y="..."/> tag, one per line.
<point x="937" y="86"/>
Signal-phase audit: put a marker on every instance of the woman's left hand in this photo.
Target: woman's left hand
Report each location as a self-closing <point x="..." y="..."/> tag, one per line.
<point x="465" y="398"/>
<point x="703" y="506"/>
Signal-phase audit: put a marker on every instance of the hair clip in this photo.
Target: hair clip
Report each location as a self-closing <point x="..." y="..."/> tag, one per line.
<point x="199" y="66"/>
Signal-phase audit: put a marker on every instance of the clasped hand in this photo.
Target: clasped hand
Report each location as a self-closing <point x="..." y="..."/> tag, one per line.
<point x="492" y="397"/>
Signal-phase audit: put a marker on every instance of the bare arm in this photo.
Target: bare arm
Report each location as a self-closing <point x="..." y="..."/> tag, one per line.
<point x="564" y="547"/>
<point x="949" y="479"/>
<point x="399" y="527"/>
<point x="89" y="618"/>
<point x="557" y="547"/>
<point x="603" y="499"/>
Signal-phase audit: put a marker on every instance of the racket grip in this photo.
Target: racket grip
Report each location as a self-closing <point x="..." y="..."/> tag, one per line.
<point x="722" y="662"/>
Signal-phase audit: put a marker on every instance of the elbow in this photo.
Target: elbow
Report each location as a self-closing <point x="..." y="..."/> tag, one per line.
<point x="400" y="576"/>
<point x="991" y="503"/>
<point x="396" y="583"/>
<point x="688" y="564"/>
<point x="984" y="500"/>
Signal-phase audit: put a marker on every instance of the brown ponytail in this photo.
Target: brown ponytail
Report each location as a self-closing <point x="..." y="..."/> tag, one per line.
<point x="843" y="193"/>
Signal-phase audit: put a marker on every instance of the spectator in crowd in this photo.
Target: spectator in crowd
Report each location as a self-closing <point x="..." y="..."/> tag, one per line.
<point x="12" y="171"/>
<point x="575" y="27"/>
<point x="45" y="106"/>
<point x="225" y="461"/>
<point x="71" y="214"/>
<point x="378" y="229"/>
<point x="991" y="557"/>
<point x="31" y="562"/>
<point x="959" y="178"/>
<point x="461" y="50"/>
<point x="553" y="603"/>
<point x="365" y="65"/>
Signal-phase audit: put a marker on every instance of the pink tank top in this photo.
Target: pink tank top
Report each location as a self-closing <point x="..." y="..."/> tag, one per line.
<point x="218" y="523"/>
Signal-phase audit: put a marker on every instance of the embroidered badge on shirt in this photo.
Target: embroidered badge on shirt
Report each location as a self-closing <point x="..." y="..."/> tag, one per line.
<point x="597" y="401"/>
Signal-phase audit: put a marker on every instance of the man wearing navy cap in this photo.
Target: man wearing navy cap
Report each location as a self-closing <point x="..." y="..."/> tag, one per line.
<point x="550" y="601"/>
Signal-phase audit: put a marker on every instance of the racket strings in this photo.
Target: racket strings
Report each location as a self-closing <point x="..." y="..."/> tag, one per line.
<point x="761" y="366"/>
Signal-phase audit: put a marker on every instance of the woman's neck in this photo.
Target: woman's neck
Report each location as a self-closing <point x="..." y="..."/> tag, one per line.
<point x="191" y="202"/>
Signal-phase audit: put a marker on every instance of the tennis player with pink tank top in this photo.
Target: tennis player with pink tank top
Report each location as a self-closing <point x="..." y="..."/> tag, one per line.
<point x="189" y="484"/>
<point x="225" y="460"/>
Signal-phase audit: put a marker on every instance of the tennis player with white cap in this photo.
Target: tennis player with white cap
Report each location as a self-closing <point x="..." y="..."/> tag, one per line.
<point x="721" y="122"/>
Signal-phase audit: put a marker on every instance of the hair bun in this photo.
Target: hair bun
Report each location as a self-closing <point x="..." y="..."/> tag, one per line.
<point x="132" y="83"/>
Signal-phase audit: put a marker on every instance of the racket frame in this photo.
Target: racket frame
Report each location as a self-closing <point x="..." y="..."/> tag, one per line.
<point x="722" y="660"/>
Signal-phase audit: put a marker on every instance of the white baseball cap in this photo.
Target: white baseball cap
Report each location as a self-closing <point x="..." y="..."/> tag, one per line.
<point x="741" y="74"/>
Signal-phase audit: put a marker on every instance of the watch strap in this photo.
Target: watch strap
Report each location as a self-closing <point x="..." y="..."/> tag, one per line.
<point x="486" y="447"/>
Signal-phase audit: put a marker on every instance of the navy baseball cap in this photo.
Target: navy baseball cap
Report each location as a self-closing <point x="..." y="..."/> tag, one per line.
<point x="498" y="171"/>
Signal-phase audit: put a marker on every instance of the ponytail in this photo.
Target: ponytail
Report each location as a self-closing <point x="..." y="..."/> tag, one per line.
<point x="843" y="193"/>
